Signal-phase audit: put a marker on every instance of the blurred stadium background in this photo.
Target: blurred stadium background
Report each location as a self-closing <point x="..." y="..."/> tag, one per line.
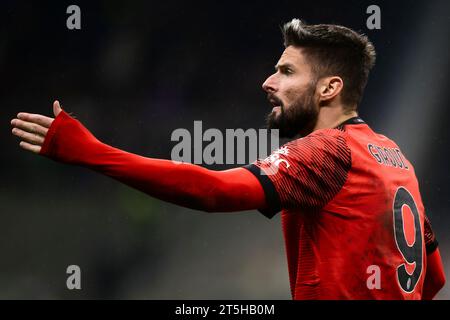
<point x="138" y="70"/>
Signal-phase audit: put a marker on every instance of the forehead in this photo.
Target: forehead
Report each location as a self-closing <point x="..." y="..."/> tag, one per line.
<point x="293" y="56"/>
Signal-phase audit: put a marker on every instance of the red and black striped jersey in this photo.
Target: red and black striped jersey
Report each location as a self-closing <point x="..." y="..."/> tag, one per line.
<point x="353" y="219"/>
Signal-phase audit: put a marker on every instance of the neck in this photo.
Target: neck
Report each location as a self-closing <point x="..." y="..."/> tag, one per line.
<point x="332" y="117"/>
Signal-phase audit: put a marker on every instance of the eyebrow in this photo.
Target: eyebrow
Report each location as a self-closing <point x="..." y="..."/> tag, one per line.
<point x="284" y="65"/>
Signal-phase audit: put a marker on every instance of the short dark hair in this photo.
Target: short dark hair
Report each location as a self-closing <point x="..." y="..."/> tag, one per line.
<point x="334" y="50"/>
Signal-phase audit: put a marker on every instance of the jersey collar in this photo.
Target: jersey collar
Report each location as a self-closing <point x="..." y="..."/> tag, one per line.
<point x="354" y="120"/>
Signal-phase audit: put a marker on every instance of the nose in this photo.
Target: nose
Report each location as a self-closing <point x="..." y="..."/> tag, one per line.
<point x="270" y="85"/>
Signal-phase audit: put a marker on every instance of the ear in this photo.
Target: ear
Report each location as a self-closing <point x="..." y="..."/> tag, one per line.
<point x="329" y="88"/>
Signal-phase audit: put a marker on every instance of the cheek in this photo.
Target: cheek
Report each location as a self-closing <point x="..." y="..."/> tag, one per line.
<point x="295" y="88"/>
<point x="294" y="93"/>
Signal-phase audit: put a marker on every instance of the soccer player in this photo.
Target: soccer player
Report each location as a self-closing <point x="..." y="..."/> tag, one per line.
<point x="353" y="219"/>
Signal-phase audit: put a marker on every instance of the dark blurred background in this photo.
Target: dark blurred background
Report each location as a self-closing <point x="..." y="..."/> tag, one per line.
<point x="135" y="72"/>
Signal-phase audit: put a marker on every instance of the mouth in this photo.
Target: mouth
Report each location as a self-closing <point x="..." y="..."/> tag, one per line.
<point x="276" y="108"/>
<point x="276" y="104"/>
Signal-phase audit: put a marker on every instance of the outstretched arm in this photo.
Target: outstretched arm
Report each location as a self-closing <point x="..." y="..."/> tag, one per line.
<point x="66" y="140"/>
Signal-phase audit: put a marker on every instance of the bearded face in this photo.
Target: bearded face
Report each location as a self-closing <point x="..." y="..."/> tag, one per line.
<point x="297" y="118"/>
<point x="291" y="91"/>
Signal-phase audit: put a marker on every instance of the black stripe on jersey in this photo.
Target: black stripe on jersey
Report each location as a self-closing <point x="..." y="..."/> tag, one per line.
<point x="432" y="246"/>
<point x="272" y="199"/>
<point x="431" y="243"/>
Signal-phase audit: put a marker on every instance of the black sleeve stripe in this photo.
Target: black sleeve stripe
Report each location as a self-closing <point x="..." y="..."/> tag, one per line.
<point x="431" y="247"/>
<point x="272" y="198"/>
<point x="430" y="238"/>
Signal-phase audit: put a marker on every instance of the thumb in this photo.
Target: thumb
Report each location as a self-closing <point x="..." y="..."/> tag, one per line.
<point x="56" y="108"/>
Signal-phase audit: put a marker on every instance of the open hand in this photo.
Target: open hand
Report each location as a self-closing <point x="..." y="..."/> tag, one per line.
<point x="32" y="128"/>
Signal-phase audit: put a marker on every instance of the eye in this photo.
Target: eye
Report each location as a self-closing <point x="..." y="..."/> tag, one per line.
<point x="286" y="70"/>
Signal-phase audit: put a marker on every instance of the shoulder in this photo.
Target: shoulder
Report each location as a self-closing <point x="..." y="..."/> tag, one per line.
<point x="328" y="141"/>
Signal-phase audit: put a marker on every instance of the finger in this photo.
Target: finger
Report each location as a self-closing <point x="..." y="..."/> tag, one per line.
<point x="56" y="108"/>
<point x="30" y="147"/>
<point x="30" y="127"/>
<point x="36" y="118"/>
<point x="28" y="137"/>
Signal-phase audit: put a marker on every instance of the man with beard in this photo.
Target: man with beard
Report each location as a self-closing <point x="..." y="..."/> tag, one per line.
<point x="352" y="215"/>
